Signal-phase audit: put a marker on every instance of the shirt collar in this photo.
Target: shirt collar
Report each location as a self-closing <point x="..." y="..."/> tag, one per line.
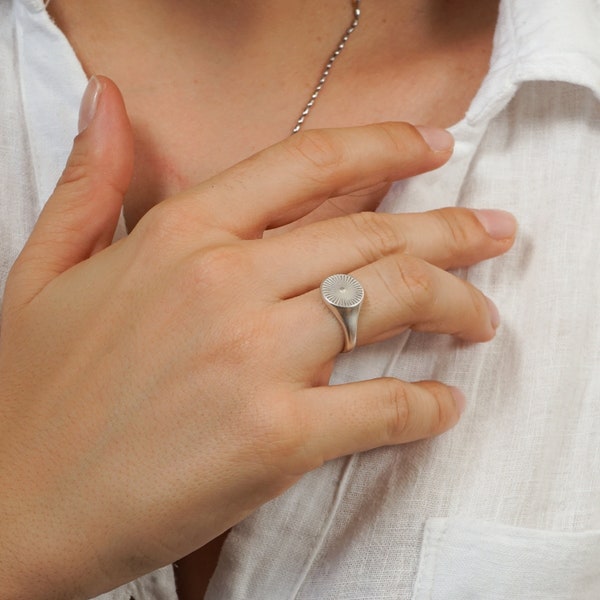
<point x="35" y="6"/>
<point x="540" y="40"/>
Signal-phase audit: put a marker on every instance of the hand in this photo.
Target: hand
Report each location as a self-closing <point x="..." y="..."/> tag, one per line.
<point x="155" y="391"/>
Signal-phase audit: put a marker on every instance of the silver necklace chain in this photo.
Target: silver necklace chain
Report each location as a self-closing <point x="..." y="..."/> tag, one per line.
<point x="329" y="65"/>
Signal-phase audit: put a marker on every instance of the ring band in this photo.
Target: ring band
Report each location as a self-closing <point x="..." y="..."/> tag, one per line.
<point x="344" y="294"/>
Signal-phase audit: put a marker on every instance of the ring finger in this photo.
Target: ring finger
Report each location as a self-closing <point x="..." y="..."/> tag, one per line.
<point x="401" y="292"/>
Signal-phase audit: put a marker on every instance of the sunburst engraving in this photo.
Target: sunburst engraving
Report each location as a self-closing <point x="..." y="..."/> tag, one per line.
<point x="342" y="291"/>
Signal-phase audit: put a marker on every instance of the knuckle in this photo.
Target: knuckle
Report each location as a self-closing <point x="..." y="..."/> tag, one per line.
<point x="77" y="180"/>
<point x="81" y="176"/>
<point x="397" y="403"/>
<point x="443" y="413"/>
<point x="75" y="175"/>
<point x="318" y="150"/>
<point x="215" y="268"/>
<point x="480" y="310"/>
<point x="382" y="238"/>
<point x="461" y="233"/>
<point x="416" y="290"/>
<point x="77" y="169"/>
<point x="456" y="229"/>
<point x="161" y="224"/>
<point x="403" y="137"/>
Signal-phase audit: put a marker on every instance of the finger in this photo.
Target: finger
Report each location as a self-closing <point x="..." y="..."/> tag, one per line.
<point x="448" y="238"/>
<point x="344" y="419"/>
<point x="287" y="181"/>
<point x="81" y="215"/>
<point x="407" y="292"/>
<point x="401" y="292"/>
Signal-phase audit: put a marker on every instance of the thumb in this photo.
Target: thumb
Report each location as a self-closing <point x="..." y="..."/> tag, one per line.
<point x="80" y="217"/>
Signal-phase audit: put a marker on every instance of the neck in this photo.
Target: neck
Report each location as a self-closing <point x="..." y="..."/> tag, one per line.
<point x="230" y="27"/>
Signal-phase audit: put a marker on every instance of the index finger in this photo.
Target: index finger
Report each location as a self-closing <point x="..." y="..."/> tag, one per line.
<point x="286" y="181"/>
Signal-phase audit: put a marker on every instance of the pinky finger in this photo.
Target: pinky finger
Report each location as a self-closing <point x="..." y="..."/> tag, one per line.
<point x="354" y="417"/>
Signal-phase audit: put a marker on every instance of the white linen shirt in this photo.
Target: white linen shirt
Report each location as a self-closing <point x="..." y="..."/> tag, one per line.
<point x="507" y="504"/>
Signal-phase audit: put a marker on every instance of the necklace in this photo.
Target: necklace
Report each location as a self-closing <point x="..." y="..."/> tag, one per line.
<point x="329" y="65"/>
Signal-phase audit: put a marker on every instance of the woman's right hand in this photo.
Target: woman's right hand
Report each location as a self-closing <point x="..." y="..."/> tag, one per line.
<point x="155" y="391"/>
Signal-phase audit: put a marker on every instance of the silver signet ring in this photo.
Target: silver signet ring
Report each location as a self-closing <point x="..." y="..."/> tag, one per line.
<point x="344" y="295"/>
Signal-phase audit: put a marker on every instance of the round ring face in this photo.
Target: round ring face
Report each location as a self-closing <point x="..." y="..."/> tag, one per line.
<point x="342" y="291"/>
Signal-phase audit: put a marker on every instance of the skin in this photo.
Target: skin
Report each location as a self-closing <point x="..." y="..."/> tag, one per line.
<point x="441" y="55"/>
<point x="416" y="61"/>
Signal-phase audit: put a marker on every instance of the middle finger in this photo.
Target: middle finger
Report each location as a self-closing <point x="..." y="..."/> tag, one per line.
<point x="448" y="238"/>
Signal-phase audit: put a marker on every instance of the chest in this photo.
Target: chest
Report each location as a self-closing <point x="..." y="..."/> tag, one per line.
<point x="190" y="129"/>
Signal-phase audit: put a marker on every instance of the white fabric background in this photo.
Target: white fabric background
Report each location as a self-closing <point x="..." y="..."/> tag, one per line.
<point x="526" y="454"/>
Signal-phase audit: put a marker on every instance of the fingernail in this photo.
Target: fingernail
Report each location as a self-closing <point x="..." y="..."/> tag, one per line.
<point x="439" y="140"/>
<point x="89" y="103"/>
<point x="459" y="399"/>
<point x="494" y="314"/>
<point x="499" y="224"/>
